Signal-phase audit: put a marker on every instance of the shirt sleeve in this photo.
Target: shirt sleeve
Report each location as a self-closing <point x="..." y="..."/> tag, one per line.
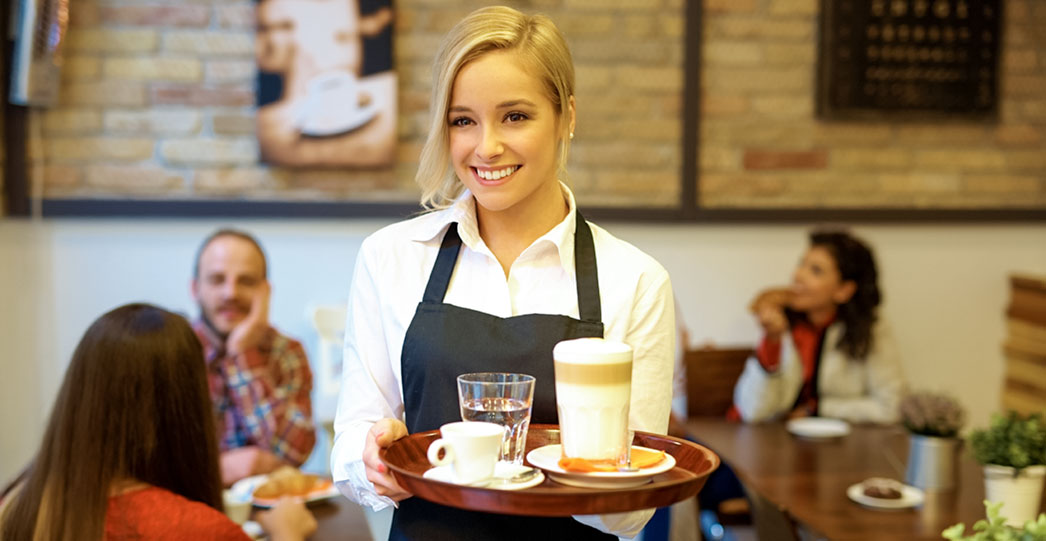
<point x="652" y="335"/>
<point x="272" y="390"/>
<point x="760" y="394"/>
<point x="370" y="390"/>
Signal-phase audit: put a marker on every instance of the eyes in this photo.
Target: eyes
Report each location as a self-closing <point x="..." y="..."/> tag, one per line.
<point x="218" y="279"/>
<point x="511" y="117"/>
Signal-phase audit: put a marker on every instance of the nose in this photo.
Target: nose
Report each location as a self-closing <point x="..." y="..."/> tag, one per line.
<point x="229" y="289"/>
<point x="489" y="146"/>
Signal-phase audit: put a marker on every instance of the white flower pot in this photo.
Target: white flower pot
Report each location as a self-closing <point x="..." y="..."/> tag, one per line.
<point x="1020" y="494"/>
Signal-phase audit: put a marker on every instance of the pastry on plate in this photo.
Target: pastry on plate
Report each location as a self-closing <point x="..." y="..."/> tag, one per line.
<point x="882" y="488"/>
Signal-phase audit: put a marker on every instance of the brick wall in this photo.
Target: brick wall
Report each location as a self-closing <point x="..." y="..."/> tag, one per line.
<point x="761" y="145"/>
<point x="157" y="102"/>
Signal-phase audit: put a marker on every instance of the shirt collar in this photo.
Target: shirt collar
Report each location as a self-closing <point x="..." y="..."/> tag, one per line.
<point x="463" y="212"/>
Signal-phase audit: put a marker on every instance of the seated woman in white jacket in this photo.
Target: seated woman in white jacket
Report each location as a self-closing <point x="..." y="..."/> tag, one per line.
<point x="825" y="351"/>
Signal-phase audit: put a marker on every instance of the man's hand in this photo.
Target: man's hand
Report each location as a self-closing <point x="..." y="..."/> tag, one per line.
<point x="289" y="520"/>
<point x="381" y="435"/>
<point x="244" y="462"/>
<point x="249" y="332"/>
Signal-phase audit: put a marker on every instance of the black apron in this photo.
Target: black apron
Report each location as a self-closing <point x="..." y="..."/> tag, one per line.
<point x="444" y="341"/>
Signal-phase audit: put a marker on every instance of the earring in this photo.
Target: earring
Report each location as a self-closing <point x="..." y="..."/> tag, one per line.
<point x="571" y="135"/>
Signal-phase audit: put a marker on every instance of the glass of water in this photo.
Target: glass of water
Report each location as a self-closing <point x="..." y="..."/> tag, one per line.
<point x="501" y="398"/>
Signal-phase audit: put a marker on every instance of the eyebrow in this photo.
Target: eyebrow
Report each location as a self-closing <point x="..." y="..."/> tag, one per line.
<point x="502" y="105"/>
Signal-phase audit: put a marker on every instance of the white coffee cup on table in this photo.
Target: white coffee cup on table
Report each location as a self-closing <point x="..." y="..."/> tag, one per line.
<point x="237" y="506"/>
<point x="470" y="448"/>
<point x="593" y="390"/>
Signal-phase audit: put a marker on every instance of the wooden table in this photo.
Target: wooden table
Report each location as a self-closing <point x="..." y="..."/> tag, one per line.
<point x="807" y="480"/>
<point x="339" y="519"/>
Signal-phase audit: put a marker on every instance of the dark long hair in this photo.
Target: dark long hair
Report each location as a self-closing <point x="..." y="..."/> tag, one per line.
<point x="133" y="405"/>
<point x="856" y="263"/>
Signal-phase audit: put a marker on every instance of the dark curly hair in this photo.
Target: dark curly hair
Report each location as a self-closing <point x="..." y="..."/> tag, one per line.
<point x="856" y="263"/>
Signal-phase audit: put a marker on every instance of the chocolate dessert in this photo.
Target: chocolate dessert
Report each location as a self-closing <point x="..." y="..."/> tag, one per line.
<point x="885" y="489"/>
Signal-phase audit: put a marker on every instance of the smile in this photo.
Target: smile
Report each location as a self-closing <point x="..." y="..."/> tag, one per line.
<point x="495" y="174"/>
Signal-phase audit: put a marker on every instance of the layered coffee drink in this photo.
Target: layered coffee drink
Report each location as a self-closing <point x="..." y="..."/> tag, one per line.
<point x="593" y="389"/>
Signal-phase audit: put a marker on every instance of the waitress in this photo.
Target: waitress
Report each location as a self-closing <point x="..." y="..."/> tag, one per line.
<point x="501" y="269"/>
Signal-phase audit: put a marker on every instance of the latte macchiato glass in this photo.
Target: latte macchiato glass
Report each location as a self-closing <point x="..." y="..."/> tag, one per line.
<point x="593" y="389"/>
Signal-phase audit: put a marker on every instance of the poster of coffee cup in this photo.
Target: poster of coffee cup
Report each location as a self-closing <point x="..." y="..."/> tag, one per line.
<point x="326" y="85"/>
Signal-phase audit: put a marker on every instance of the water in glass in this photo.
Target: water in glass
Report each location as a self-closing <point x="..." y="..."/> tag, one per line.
<point x="511" y="413"/>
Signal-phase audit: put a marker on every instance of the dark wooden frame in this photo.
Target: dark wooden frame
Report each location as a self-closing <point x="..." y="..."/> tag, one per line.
<point x="689" y="209"/>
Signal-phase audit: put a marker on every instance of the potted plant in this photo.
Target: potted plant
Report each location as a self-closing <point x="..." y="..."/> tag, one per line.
<point x="1013" y="452"/>
<point x="934" y="421"/>
<point x="996" y="529"/>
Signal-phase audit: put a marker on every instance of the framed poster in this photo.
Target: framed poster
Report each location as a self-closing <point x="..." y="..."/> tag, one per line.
<point x="326" y="87"/>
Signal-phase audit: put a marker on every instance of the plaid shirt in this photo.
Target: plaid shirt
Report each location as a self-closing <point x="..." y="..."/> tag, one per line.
<point x="261" y="397"/>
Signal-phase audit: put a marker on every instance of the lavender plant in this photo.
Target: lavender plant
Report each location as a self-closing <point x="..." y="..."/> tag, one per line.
<point x="932" y="414"/>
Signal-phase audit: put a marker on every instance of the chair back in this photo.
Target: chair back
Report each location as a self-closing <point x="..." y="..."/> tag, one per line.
<point x="710" y="377"/>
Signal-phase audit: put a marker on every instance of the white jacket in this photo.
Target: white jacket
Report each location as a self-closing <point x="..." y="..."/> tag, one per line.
<point x="866" y="390"/>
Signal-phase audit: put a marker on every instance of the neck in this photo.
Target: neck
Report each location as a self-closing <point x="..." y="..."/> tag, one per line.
<point x="821" y="316"/>
<point x="125" y="485"/>
<point x="510" y="231"/>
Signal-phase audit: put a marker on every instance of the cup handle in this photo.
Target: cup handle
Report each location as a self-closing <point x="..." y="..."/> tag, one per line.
<point x="435" y="448"/>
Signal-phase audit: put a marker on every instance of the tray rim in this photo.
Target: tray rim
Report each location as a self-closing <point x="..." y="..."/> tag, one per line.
<point x="681" y="482"/>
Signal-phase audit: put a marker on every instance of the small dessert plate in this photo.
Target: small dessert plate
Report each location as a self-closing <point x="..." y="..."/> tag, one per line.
<point x="818" y="428"/>
<point x="910" y="497"/>
<point x="547" y="458"/>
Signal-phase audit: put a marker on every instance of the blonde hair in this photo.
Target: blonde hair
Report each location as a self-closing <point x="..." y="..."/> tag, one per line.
<point x="538" y="44"/>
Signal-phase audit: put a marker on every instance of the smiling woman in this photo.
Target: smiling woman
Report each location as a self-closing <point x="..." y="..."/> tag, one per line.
<point x="500" y="270"/>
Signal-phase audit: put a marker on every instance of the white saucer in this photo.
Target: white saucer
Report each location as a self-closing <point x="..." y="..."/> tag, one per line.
<point x="818" y="428"/>
<point x="502" y="473"/>
<point x="910" y="497"/>
<point x="341" y="122"/>
<point x="547" y="458"/>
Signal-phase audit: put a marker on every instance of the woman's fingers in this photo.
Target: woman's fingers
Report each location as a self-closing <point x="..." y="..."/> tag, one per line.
<point x="381" y="435"/>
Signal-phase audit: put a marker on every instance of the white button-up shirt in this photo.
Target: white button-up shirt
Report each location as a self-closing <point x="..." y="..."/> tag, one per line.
<point x="391" y="273"/>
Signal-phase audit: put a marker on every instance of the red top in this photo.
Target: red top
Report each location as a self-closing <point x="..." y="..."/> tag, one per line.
<point x="807" y="338"/>
<point x="160" y="515"/>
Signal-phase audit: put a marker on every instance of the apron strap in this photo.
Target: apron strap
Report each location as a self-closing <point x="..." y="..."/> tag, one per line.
<point x="439" y="279"/>
<point x="587" y="277"/>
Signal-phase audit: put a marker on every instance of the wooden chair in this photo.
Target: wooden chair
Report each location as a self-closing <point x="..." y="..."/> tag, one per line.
<point x="710" y="377"/>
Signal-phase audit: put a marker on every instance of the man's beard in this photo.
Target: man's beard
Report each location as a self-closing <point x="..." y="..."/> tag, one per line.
<point x="210" y="325"/>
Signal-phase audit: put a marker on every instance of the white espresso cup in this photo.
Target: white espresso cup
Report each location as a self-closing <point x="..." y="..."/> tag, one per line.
<point x="593" y="389"/>
<point x="470" y="447"/>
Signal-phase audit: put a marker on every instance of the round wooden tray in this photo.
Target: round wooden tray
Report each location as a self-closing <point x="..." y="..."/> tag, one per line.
<point x="408" y="462"/>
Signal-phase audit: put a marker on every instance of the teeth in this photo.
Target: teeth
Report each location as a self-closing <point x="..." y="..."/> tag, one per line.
<point x="497" y="174"/>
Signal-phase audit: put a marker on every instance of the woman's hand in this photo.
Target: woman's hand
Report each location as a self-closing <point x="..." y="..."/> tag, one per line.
<point x="381" y="435"/>
<point x="289" y="520"/>
<point x="773" y="320"/>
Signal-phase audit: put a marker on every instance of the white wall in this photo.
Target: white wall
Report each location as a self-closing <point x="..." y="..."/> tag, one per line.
<point x="945" y="287"/>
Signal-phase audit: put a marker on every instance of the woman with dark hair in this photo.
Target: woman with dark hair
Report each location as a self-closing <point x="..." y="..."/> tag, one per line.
<point x="825" y="351"/>
<point x="130" y="451"/>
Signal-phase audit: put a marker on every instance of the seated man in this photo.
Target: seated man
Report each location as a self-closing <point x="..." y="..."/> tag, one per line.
<point x="259" y="379"/>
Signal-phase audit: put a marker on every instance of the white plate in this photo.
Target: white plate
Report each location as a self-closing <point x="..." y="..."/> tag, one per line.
<point x="502" y="473"/>
<point x="818" y="428"/>
<point x="910" y="497"/>
<point x="547" y="458"/>
<point x="244" y="488"/>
